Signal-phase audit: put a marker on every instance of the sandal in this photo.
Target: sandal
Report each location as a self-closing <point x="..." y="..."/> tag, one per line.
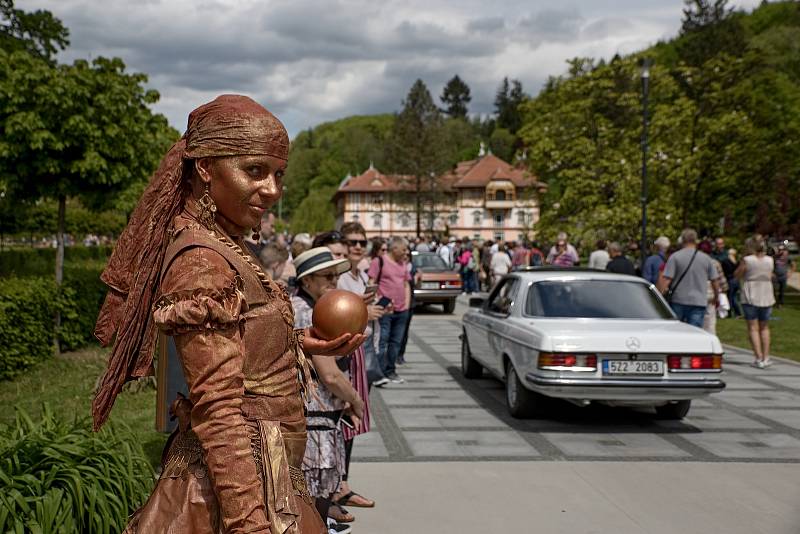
<point x="339" y="514"/>
<point x="345" y="500"/>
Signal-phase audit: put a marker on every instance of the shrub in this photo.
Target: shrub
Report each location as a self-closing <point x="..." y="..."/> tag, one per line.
<point x="42" y="261"/>
<point x="27" y="308"/>
<point x="61" y="477"/>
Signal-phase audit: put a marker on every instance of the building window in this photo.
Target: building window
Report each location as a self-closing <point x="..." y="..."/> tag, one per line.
<point x="405" y="220"/>
<point x="500" y="195"/>
<point x="498" y="236"/>
<point x="498" y="218"/>
<point x="355" y="200"/>
<point x="453" y="219"/>
<point x="477" y="218"/>
<point x="377" y="219"/>
<point x="355" y="217"/>
<point x="522" y="218"/>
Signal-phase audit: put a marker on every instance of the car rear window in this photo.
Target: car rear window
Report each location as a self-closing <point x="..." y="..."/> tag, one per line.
<point x="428" y="261"/>
<point x="594" y="299"/>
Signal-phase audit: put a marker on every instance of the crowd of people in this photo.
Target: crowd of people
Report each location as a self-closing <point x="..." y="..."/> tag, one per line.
<point x="701" y="279"/>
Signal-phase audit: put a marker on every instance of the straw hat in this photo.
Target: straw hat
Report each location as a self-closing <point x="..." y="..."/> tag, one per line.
<point x="318" y="259"/>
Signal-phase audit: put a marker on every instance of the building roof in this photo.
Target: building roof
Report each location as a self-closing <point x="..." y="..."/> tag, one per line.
<point x="479" y="172"/>
<point x="473" y="173"/>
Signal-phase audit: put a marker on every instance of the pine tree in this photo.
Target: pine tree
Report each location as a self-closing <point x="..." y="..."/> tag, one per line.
<point x="506" y="104"/>
<point x="455" y="97"/>
<point x="415" y="143"/>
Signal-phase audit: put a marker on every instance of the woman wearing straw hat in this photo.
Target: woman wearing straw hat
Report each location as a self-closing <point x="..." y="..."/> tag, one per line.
<point x="324" y="462"/>
<point x="181" y="266"/>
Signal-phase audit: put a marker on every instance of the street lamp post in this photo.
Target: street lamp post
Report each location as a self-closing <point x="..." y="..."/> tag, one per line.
<point x="646" y="62"/>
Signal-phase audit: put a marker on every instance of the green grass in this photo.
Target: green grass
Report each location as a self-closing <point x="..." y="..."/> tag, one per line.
<point x="66" y="383"/>
<point x="784" y="329"/>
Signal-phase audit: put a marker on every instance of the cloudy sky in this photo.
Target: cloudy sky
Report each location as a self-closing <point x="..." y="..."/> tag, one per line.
<point x="310" y="61"/>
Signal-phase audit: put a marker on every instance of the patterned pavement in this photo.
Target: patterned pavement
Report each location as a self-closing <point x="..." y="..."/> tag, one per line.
<point x="438" y="415"/>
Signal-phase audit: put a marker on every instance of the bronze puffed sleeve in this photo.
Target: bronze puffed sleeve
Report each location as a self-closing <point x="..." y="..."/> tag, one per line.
<point x="200" y="308"/>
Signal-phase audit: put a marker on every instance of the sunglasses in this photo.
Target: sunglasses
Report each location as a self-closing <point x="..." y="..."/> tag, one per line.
<point x="328" y="238"/>
<point x="330" y="277"/>
<point x="353" y="242"/>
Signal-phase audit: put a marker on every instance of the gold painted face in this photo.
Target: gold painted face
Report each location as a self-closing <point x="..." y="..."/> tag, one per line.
<point x="244" y="187"/>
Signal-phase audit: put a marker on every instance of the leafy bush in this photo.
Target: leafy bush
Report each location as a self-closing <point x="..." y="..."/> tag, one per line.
<point x="61" y="477"/>
<point x="27" y="308"/>
<point x="42" y="261"/>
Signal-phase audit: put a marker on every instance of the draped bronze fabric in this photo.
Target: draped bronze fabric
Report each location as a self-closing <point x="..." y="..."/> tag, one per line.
<point x="230" y="125"/>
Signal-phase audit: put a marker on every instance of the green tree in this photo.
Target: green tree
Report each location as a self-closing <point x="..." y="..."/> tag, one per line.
<point x="415" y="145"/>
<point x="709" y="28"/>
<point x="507" y="101"/>
<point x="321" y="157"/>
<point x="82" y="130"/>
<point x="456" y="97"/>
<point x="39" y="32"/>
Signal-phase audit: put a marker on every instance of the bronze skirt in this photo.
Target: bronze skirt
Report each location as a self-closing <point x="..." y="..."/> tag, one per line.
<point x="183" y="501"/>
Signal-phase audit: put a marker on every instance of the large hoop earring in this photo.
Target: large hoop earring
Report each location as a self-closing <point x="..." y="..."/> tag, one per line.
<point x="208" y="209"/>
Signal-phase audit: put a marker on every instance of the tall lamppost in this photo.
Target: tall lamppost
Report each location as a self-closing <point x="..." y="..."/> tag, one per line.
<point x="646" y="62"/>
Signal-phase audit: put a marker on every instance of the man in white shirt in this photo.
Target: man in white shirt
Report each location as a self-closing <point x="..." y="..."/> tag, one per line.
<point x="501" y="264"/>
<point x="599" y="258"/>
<point x="444" y="253"/>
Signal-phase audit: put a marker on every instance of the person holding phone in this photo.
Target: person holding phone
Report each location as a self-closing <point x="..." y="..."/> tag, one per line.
<point x="391" y="275"/>
<point x="324" y="461"/>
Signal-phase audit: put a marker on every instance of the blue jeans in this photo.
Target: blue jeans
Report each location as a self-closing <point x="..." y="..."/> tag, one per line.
<point x="393" y="327"/>
<point x="470" y="283"/>
<point x="374" y="370"/>
<point x="689" y="314"/>
<point x="733" y="291"/>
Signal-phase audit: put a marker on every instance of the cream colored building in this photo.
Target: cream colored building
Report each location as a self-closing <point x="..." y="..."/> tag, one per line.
<point x="482" y="198"/>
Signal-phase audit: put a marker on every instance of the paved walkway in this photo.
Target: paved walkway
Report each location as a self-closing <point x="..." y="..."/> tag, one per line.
<point x="447" y="457"/>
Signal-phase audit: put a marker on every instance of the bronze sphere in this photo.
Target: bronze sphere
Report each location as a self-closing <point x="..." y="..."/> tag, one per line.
<point x="339" y="312"/>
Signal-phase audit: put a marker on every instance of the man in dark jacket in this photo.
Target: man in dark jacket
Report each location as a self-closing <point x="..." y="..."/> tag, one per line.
<point x="619" y="263"/>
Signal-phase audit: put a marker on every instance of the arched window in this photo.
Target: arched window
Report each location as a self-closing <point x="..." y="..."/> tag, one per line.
<point x="500" y="195"/>
<point x="477" y="217"/>
<point x="377" y="219"/>
<point x="453" y="219"/>
<point x="405" y="220"/>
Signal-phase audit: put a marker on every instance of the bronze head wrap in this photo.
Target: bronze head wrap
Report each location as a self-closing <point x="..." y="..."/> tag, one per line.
<point x="231" y="125"/>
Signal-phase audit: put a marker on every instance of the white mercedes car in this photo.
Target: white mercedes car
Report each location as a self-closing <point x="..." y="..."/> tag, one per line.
<point x="587" y="336"/>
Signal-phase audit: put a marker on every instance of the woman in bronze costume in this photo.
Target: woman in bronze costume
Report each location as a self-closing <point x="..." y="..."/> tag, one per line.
<point x="233" y="465"/>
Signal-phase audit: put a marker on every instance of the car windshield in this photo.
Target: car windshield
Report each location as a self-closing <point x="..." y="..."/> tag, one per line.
<point x="595" y="299"/>
<point x="428" y="261"/>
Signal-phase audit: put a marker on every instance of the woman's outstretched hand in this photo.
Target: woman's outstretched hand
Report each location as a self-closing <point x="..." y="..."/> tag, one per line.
<point x="340" y="346"/>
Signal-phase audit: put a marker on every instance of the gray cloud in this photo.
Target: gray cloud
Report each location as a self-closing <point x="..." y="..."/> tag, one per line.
<point x="312" y="61"/>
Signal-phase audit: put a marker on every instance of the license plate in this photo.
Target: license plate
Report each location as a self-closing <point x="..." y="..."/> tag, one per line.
<point x="629" y="367"/>
<point x="430" y="285"/>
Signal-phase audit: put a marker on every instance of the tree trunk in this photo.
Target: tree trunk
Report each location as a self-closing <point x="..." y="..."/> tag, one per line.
<point x="418" y="193"/>
<point x="62" y="208"/>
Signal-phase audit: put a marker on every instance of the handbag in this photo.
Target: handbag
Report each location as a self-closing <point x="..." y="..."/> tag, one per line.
<point x="672" y="287"/>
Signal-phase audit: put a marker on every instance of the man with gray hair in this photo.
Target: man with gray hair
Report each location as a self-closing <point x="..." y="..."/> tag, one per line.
<point x="685" y="281"/>
<point x="654" y="262"/>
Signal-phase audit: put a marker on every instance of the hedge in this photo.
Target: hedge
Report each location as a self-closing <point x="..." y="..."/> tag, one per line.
<point x="41" y="261"/>
<point x="60" y="477"/>
<point x="27" y="308"/>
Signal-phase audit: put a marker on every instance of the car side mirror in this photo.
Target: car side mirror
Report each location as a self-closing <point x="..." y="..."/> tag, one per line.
<point x="476" y="302"/>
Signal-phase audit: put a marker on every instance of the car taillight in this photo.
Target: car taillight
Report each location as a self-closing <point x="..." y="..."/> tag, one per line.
<point x="694" y="362"/>
<point x="560" y="360"/>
